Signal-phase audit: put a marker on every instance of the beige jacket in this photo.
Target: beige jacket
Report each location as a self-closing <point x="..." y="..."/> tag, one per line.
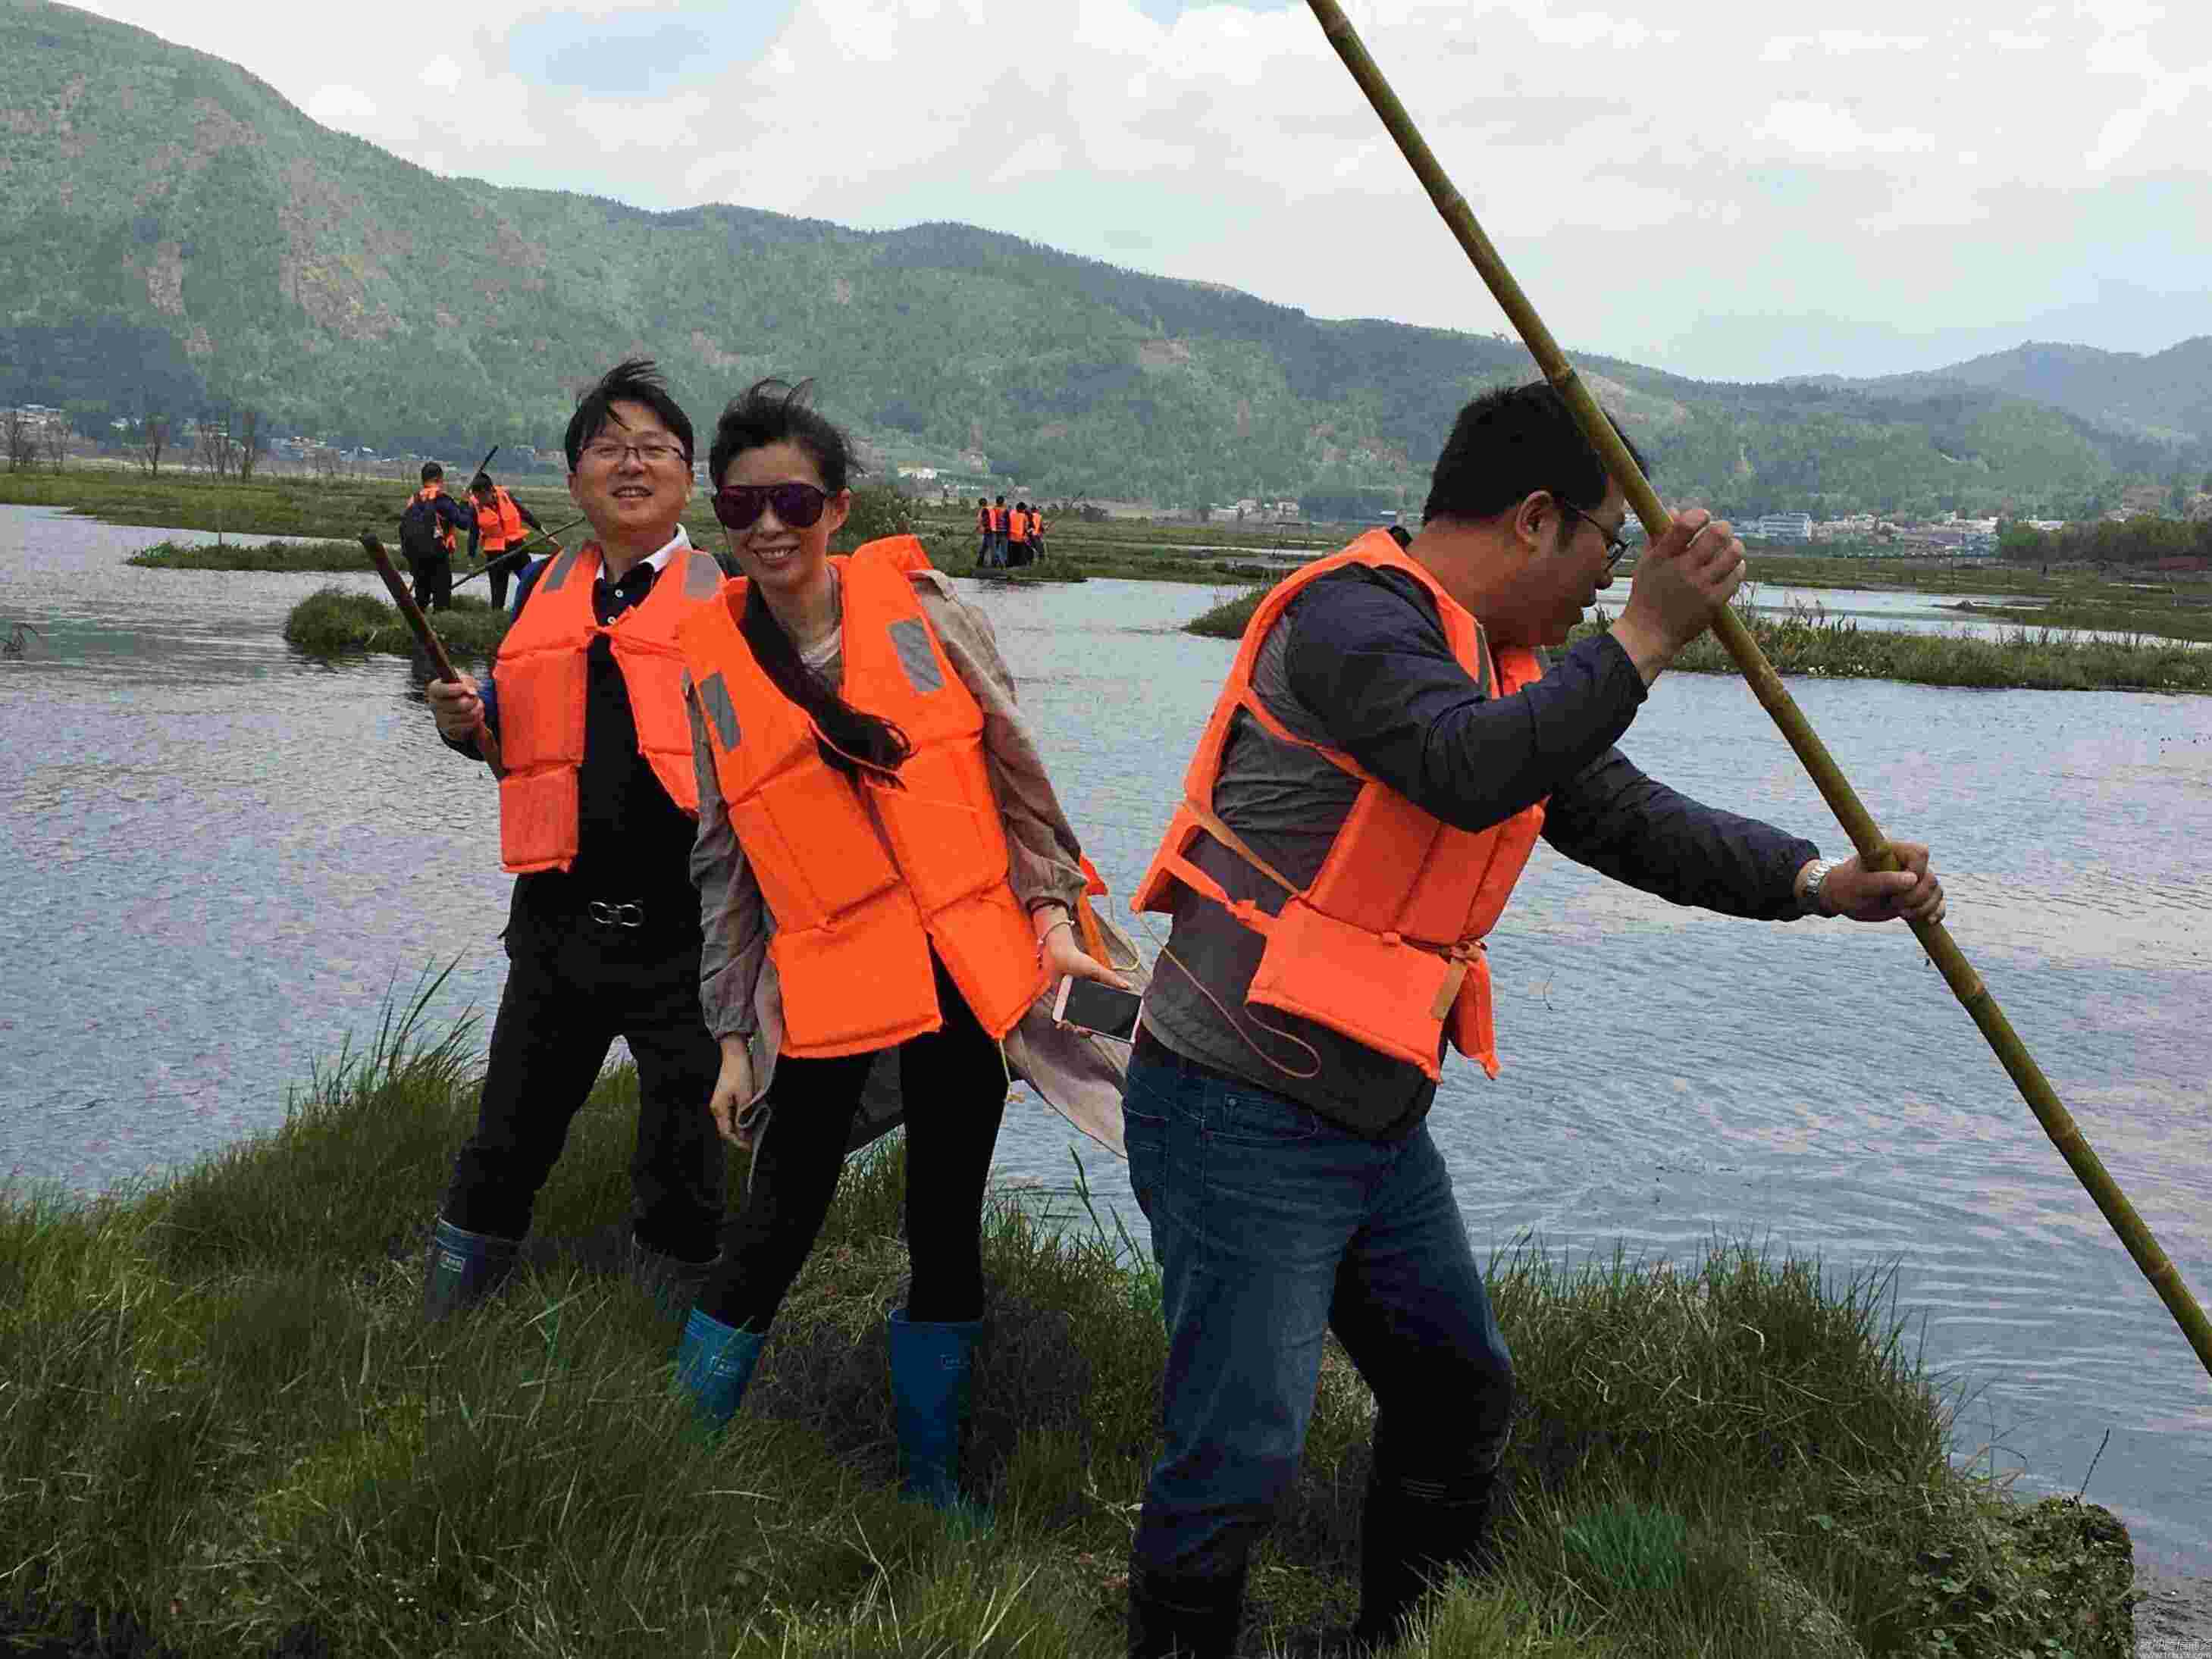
<point x="1078" y="1075"/>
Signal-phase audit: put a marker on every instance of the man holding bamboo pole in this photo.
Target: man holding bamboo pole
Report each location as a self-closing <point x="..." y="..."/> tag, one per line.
<point x="1388" y="750"/>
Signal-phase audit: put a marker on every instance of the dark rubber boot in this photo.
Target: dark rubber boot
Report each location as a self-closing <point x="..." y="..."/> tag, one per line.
<point x="1188" y="1618"/>
<point x="1412" y="1533"/>
<point x="930" y="1368"/>
<point x="463" y="1268"/>
<point x="714" y="1364"/>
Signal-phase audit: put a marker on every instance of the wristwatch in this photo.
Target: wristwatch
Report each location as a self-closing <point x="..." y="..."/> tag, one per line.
<point x="1812" y="904"/>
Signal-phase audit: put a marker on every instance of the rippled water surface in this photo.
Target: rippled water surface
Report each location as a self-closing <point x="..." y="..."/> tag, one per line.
<point x="219" y="855"/>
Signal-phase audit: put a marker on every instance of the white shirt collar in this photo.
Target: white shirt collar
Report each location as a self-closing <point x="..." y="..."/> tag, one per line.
<point x="660" y="561"/>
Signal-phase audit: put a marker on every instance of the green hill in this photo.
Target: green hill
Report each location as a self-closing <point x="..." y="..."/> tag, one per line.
<point x="175" y="236"/>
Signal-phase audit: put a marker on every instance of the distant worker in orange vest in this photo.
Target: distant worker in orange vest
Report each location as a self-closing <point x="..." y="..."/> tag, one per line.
<point x="1018" y="536"/>
<point x="427" y="528"/>
<point x="503" y="525"/>
<point x="597" y="810"/>
<point x="1037" y="533"/>
<point x="887" y="885"/>
<point x="999" y="522"/>
<point x="982" y="532"/>
<point x="1387" y="748"/>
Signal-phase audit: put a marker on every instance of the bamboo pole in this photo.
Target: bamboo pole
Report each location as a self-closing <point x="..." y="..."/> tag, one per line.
<point x="1766" y="685"/>
<point x="426" y="636"/>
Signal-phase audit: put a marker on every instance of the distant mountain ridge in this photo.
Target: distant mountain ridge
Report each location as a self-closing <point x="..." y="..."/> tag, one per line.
<point x="174" y="233"/>
<point x="2165" y="394"/>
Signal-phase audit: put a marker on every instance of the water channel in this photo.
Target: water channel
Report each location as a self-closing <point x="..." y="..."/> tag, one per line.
<point x="220" y="855"/>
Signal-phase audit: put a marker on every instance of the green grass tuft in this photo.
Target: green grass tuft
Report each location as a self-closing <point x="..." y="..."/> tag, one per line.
<point x="333" y="622"/>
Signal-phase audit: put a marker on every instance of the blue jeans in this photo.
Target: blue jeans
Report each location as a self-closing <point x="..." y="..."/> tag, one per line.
<point x="1270" y="1225"/>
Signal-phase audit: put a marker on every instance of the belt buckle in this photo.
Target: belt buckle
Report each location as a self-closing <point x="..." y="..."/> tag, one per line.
<point x="627" y="913"/>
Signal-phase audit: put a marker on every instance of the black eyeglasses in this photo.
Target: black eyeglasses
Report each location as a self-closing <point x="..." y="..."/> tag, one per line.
<point x="1615" y="548"/>
<point x="797" y="505"/>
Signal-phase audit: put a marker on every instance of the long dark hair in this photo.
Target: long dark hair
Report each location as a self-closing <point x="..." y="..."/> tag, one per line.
<point x="772" y="411"/>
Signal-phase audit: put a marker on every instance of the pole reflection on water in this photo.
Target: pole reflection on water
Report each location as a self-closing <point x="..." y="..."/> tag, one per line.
<point x="221" y="855"/>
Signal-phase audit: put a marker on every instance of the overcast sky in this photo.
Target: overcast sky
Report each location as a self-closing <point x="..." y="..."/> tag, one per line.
<point x="1705" y="187"/>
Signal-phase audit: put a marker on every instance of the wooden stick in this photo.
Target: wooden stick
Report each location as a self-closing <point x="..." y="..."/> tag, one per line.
<point x="427" y="636"/>
<point x="1766" y="685"/>
<point x="534" y="539"/>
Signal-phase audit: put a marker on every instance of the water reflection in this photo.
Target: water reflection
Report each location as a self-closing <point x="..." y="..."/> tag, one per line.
<point x="219" y="854"/>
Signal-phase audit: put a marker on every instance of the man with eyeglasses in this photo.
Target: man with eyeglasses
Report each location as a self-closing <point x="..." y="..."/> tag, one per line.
<point x="1389" y="746"/>
<point x="598" y="807"/>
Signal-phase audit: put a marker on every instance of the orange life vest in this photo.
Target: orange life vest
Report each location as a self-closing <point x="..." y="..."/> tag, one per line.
<point x="499" y="525"/>
<point x="864" y="878"/>
<point x="1019" y="527"/>
<point x="1385" y="944"/>
<point x="430" y="492"/>
<point x="982" y="517"/>
<point x="997" y="518"/>
<point x="542" y="678"/>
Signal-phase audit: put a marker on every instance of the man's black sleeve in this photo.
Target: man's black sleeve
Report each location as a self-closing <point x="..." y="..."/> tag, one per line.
<point x="1619" y="821"/>
<point x="527" y="516"/>
<point x="1367" y="655"/>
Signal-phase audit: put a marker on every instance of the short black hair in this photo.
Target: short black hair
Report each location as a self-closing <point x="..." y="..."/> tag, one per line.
<point x="482" y="481"/>
<point x="1509" y="443"/>
<point x="774" y="411"/>
<point x="432" y="470"/>
<point x="633" y="380"/>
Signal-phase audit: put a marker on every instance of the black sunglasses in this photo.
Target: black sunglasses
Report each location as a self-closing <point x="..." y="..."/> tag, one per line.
<point x="797" y="505"/>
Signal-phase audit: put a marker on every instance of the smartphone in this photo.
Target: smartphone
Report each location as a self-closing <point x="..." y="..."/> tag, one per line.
<point x="1085" y="1005"/>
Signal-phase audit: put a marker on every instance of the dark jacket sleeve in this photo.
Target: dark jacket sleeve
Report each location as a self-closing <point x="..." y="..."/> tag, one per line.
<point x="1367" y="655"/>
<point x="527" y="516"/>
<point x="1619" y="821"/>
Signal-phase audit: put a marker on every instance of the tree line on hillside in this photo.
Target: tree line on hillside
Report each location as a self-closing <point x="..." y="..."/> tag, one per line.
<point x="2142" y="540"/>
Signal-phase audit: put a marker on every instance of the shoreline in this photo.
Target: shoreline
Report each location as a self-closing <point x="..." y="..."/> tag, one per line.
<point x="306" y="1467"/>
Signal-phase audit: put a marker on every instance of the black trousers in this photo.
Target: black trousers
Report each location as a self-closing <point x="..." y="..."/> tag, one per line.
<point x="434" y="580"/>
<point x="498" y="570"/>
<point x="954" y="1083"/>
<point x="573" y="987"/>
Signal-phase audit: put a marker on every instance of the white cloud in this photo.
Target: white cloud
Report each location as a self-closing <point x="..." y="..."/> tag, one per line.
<point x="1823" y="129"/>
<point x="1640" y="163"/>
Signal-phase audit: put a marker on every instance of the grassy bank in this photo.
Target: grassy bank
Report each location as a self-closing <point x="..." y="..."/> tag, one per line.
<point x="2113" y="615"/>
<point x="2039" y="659"/>
<point x="1806" y="642"/>
<point x="310" y="558"/>
<point x="335" y="509"/>
<point x="332" y="622"/>
<point x="227" y="1430"/>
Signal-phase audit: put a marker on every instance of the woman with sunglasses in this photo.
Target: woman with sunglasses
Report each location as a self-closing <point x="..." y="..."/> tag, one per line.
<point x="888" y="886"/>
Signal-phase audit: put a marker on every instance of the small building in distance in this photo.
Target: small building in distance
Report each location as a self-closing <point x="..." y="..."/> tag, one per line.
<point x="1780" y="528"/>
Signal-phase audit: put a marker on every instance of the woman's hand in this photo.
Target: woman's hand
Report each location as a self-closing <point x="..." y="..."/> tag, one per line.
<point x="1060" y="953"/>
<point x="733" y="1093"/>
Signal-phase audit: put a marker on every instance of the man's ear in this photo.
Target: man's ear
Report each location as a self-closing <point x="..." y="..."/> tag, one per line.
<point x="1529" y="518"/>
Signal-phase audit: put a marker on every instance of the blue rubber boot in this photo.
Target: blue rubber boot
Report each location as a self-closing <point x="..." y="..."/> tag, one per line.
<point x="713" y="1363"/>
<point x="930" y="1366"/>
<point x="463" y="1268"/>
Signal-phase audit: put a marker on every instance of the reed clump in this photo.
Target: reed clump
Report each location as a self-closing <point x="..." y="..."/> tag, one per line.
<point x="224" y="1427"/>
<point x="337" y="622"/>
<point x="1229" y="614"/>
<point x="308" y="558"/>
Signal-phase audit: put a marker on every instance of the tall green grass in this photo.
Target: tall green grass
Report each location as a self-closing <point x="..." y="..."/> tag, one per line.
<point x="224" y="1424"/>
<point x="336" y="621"/>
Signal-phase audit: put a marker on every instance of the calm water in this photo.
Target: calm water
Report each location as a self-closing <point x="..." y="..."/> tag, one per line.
<point x="219" y="856"/>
